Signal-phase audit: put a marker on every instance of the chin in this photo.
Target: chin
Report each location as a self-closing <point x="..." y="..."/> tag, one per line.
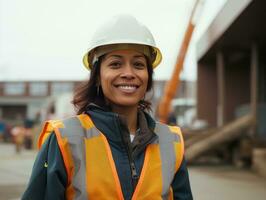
<point x="126" y="103"/>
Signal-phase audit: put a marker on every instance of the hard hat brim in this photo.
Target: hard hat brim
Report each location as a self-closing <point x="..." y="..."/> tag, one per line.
<point x="155" y="63"/>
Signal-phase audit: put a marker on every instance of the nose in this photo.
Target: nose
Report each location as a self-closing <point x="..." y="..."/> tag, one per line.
<point x="128" y="72"/>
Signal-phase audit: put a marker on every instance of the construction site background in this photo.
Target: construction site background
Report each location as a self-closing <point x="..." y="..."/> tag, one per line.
<point x="222" y="113"/>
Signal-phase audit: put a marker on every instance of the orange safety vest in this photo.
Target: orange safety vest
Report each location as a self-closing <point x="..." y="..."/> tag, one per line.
<point x="90" y="167"/>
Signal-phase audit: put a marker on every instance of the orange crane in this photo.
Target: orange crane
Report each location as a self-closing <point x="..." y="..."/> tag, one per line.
<point x="172" y="85"/>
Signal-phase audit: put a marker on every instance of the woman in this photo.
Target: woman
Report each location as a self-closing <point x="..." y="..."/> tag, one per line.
<point x="112" y="149"/>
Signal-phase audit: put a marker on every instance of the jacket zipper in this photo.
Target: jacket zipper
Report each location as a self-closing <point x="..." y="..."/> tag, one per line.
<point x="134" y="174"/>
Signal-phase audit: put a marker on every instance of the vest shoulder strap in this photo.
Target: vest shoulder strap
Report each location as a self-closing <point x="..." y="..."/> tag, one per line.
<point x="67" y="131"/>
<point x="171" y="135"/>
<point x="50" y="126"/>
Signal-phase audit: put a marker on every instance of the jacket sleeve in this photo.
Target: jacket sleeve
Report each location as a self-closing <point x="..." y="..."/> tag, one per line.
<point x="180" y="185"/>
<point x="49" y="178"/>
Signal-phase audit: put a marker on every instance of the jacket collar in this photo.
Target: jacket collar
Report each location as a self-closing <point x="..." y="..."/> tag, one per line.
<point x="114" y="127"/>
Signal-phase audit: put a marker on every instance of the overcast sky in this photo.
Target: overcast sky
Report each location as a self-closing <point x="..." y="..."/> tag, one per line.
<point x="42" y="40"/>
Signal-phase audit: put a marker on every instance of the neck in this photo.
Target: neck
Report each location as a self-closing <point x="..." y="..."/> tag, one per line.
<point x="130" y="113"/>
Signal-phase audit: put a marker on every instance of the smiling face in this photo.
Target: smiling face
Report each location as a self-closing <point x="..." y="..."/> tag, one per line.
<point x="124" y="77"/>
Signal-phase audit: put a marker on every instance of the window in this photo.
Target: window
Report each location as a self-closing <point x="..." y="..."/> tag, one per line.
<point x="14" y="88"/>
<point x="59" y="88"/>
<point x="38" y="89"/>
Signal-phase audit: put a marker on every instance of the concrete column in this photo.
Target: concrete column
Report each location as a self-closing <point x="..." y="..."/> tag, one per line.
<point x="254" y="85"/>
<point x="220" y="89"/>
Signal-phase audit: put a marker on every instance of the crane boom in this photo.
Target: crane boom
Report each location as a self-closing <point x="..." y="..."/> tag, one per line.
<point x="172" y="85"/>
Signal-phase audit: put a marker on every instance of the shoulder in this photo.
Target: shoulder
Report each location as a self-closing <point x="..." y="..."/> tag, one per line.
<point x="168" y="133"/>
<point x="48" y="129"/>
<point x="160" y="127"/>
<point x="53" y="126"/>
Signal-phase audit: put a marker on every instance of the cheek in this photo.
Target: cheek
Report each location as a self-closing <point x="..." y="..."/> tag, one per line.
<point x="105" y="81"/>
<point x="145" y="80"/>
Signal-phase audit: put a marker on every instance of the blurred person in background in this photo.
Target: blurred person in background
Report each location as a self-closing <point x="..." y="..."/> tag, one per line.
<point x="113" y="148"/>
<point x="18" y="133"/>
<point x="28" y="137"/>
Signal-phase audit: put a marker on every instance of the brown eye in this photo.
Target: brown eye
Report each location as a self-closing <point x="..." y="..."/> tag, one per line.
<point x="115" y="64"/>
<point x="139" y="65"/>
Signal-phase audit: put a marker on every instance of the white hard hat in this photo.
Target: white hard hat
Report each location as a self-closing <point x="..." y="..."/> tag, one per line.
<point x="122" y="32"/>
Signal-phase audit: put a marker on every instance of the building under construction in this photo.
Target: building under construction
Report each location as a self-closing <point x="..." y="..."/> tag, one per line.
<point x="231" y="87"/>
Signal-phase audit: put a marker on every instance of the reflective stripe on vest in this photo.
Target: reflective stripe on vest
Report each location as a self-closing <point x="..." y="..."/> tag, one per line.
<point x="85" y="150"/>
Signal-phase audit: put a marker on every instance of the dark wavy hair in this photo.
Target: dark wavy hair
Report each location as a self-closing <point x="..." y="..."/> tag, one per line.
<point x="87" y="93"/>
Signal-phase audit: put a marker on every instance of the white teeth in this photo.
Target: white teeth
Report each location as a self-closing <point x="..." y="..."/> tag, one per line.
<point x="127" y="87"/>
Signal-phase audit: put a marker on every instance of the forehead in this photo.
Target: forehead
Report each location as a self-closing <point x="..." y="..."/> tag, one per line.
<point x="125" y="53"/>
